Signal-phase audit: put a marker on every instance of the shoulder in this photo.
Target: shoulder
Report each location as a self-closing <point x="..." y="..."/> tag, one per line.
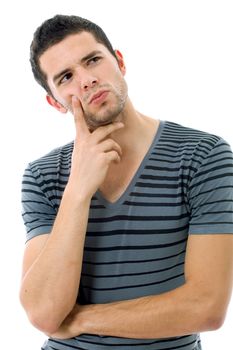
<point x="192" y="141"/>
<point x="54" y="161"/>
<point x="45" y="178"/>
<point x="179" y="133"/>
<point x="50" y="171"/>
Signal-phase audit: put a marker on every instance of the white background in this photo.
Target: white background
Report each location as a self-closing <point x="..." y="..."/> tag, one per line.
<point x="180" y="68"/>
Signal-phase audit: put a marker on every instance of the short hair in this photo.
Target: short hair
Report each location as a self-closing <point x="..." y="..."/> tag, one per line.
<point x="54" y="30"/>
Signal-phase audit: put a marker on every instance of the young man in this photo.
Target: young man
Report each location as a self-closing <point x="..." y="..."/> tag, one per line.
<point x="129" y="227"/>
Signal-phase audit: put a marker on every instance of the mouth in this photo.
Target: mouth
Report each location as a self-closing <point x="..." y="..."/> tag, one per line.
<point x="98" y="97"/>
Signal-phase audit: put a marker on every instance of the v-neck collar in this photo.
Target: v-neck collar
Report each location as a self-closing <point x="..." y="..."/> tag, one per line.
<point x="113" y="205"/>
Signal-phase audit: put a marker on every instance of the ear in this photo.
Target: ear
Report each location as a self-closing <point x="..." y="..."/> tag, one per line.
<point x="57" y="105"/>
<point x="120" y="61"/>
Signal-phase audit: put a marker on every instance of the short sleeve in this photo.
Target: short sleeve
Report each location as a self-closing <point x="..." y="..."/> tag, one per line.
<point x="37" y="211"/>
<point x="211" y="193"/>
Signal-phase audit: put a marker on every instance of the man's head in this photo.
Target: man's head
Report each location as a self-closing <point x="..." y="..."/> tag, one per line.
<point x="71" y="56"/>
<point x="54" y="30"/>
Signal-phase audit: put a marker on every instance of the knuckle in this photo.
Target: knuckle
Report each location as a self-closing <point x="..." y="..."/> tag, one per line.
<point x="111" y="143"/>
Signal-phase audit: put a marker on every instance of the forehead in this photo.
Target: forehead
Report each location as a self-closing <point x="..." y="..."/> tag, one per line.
<point x="68" y="52"/>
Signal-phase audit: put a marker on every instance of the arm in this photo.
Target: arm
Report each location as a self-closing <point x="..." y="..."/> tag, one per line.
<point x="52" y="263"/>
<point x="199" y="305"/>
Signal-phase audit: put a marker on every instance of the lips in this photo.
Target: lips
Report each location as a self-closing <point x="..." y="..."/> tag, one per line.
<point x="98" y="97"/>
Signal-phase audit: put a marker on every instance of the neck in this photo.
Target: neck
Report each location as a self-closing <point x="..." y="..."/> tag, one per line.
<point x="138" y="128"/>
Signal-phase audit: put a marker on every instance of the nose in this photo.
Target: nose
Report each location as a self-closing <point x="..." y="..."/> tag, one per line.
<point x="86" y="80"/>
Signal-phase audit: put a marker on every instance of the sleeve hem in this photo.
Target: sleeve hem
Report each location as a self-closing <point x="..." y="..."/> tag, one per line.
<point x="37" y="232"/>
<point x="211" y="229"/>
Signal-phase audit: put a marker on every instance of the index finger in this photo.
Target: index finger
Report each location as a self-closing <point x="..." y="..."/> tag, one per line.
<point x="80" y="123"/>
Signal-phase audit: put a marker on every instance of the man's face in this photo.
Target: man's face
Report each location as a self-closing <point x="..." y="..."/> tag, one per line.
<point x="80" y="66"/>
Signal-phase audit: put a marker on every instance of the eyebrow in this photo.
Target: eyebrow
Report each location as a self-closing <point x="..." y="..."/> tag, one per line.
<point x="83" y="60"/>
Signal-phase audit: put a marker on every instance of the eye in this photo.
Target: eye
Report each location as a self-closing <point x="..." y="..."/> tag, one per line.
<point x="65" y="78"/>
<point x="94" y="60"/>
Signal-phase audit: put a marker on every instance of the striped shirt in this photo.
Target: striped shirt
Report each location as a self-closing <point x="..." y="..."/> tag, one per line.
<point x="136" y="246"/>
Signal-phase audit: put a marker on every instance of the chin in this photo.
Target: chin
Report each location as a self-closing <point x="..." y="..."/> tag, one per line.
<point x="93" y="125"/>
<point x="94" y="122"/>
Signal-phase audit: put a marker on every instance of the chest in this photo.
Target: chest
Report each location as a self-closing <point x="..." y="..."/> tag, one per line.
<point x="134" y="248"/>
<point x="120" y="176"/>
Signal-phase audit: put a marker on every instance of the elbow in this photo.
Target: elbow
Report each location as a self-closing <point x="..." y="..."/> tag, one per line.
<point x="44" y="318"/>
<point x="45" y="324"/>
<point x="213" y="321"/>
<point x="213" y="316"/>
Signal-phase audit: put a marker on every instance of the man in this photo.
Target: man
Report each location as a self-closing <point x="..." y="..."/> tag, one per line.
<point x="129" y="227"/>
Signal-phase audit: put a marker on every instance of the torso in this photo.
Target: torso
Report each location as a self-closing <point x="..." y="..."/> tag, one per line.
<point x="136" y="247"/>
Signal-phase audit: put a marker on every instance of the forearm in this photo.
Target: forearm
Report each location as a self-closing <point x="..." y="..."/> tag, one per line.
<point x="166" y="315"/>
<point x="198" y="305"/>
<point x="176" y="313"/>
<point x="49" y="288"/>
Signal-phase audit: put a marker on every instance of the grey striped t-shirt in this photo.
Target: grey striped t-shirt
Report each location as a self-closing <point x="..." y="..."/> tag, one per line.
<point x="136" y="246"/>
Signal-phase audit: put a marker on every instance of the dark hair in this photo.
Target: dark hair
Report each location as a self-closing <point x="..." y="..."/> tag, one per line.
<point x="54" y="30"/>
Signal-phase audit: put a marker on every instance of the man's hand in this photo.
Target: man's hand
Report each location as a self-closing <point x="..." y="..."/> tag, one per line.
<point x="72" y="326"/>
<point x="92" y="154"/>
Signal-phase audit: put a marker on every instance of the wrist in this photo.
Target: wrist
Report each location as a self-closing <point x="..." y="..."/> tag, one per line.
<point x="76" y="193"/>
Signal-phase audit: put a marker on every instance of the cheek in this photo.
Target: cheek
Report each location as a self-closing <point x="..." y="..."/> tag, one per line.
<point x="57" y="95"/>
<point x="120" y="85"/>
<point x="65" y="97"/>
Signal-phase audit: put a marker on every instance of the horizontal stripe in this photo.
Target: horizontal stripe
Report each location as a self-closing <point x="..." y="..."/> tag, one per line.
<point x="133" y="286"/>
<point x="131" y="274"/>
<point x="134" y="232"/>
<point x="133" y="261"/>
<point x="133" y="247"/>
<point x="123" y="342"/>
